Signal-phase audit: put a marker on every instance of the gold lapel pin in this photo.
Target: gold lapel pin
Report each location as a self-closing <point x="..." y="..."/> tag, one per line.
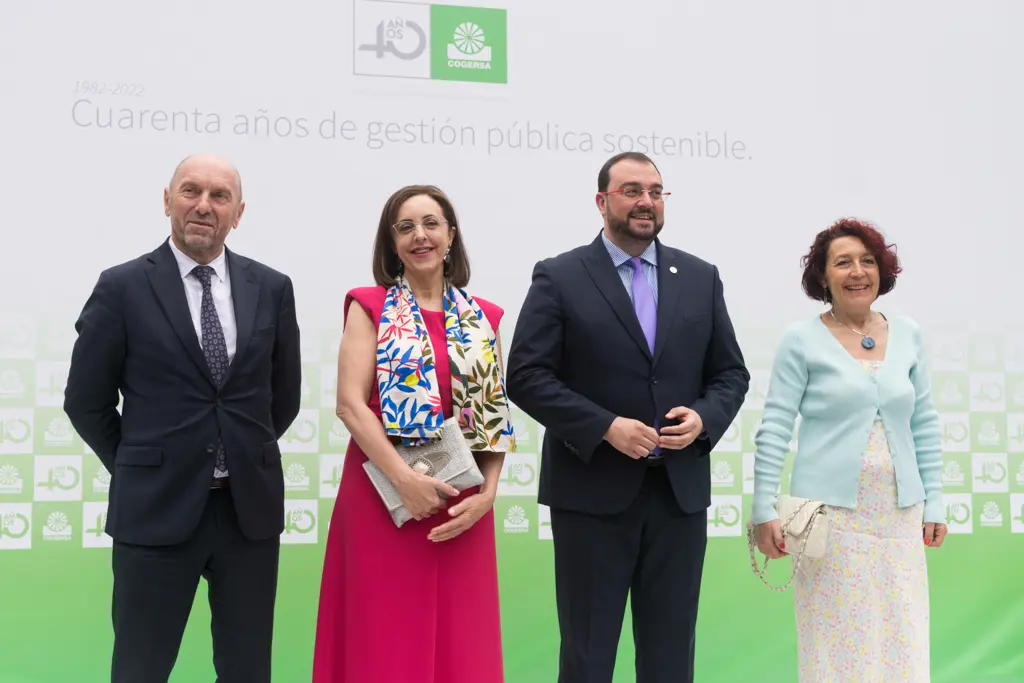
<point x="672" y="269"/>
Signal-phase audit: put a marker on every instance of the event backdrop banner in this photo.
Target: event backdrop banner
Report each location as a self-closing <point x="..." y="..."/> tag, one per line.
<point x="768" y="121"/>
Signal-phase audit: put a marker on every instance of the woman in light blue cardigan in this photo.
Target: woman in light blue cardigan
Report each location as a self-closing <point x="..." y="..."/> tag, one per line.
<point x="869" y="447"/>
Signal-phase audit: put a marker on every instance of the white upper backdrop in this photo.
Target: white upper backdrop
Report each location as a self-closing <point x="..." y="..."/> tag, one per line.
<point x="905" y="114"/>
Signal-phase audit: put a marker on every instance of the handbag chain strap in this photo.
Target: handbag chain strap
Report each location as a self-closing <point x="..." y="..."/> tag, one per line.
<point x="797" y="559"/>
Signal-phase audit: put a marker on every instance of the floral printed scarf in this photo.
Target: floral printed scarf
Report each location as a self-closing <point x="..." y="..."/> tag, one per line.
<point x="409" y="399"/>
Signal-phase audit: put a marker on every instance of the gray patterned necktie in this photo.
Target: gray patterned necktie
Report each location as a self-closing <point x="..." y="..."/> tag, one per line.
<point x="214" y="347"/>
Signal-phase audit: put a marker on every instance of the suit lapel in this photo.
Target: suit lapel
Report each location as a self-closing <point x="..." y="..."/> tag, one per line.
<point x="599" y="264"/>
<point x="245" y="294"/>
<point x="166" y="280"/>
<point x="670" y="288"/>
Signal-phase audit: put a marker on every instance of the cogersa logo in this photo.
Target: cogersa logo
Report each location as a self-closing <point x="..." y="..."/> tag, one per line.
<point x="440" y="42"/>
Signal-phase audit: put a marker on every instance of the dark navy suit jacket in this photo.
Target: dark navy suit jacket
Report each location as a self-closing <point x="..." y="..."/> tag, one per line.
<point x="136" y="338"/>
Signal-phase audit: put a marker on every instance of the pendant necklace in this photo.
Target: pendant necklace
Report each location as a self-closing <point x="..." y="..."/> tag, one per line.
<point x="867" y="342"/>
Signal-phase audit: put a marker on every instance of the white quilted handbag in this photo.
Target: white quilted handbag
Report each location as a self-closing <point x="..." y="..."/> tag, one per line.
<point x="804" y="527"/>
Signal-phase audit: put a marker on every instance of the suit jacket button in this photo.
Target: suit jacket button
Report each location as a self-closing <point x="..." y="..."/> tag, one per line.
<point x="210" y="449"/>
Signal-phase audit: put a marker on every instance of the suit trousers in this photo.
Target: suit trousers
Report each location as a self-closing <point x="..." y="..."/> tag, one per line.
<point x="653" y="553"/>
<point x="155" y="587"/>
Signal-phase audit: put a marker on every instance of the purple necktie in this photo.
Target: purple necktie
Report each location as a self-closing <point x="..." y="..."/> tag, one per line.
<point x="646" y="313"/>
<point x="643" y="302"/>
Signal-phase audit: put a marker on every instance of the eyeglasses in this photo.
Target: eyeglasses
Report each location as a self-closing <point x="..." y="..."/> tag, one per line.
<point x="656" y="195"/>
<point x="429" y="224"/>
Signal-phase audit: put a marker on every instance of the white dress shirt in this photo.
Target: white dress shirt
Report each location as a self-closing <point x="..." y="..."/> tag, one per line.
<point x="220" y="287"/>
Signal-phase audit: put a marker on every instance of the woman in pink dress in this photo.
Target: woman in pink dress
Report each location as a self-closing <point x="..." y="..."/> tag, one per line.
<point x="416" y="603"/>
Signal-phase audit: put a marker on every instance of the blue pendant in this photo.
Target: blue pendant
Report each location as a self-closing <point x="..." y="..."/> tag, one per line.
<point x="868" y="343"/>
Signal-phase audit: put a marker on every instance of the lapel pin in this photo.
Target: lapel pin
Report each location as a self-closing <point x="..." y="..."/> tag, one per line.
<point x="672" y="269"/>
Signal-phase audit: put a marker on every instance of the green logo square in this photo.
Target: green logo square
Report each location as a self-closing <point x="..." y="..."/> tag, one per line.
<point x="726" y="473"/>
<point x="56" y="524"/>
<point x="990" y="473"/>
<point x="17" y="383"/>
<point x="956" y="472"/>
<point x="960" y="514"/>
<point x="16" y="430"/>
<point x="334" y="434"/>
<point x="519" y="474"/>
<point x="54" y="433"/>
<point x="952" y="391"/>
<point x="725" y="515"/>
<point x="94" y="522"/>
<point x="58" y="478"/>
<point x="468" y="44"/>
<point x="301" y="474"/>
<point x="301" y="525"/>
<point x="17" y="474"/>
<point x="956" y="432"/>
<point x="15" y="526"/>
<point x="302" y="435"/>
<point x="988" y="432"/>
<point x="516" y="517"/>
<point x="988" y="391"/>
<point x="992" y="512"/>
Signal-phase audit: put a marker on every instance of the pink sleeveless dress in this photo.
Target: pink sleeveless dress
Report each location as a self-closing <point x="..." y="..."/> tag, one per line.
<point x="396" y="607"/>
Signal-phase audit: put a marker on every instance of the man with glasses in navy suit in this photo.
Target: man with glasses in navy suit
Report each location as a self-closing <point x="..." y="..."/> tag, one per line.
<point x="625" y="352"/>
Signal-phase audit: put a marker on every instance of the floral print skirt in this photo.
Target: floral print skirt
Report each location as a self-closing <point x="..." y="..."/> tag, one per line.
<point x="862" y="612"/>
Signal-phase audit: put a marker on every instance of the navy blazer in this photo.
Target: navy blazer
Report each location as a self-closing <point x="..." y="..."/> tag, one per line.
<point x="136" y="338"/>
<point x="579" y="358"/>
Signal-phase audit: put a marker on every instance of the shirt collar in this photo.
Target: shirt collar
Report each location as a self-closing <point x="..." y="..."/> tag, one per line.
<point x="619" y="256"/>
<point x="187" y="263"/>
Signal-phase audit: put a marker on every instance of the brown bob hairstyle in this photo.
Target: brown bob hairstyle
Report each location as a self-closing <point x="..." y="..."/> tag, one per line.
<point x="814" y="261"/>
<point x="386" y="264"/>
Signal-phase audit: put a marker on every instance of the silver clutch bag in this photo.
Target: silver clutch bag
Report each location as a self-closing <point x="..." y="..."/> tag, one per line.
<point x="448" y="459"/>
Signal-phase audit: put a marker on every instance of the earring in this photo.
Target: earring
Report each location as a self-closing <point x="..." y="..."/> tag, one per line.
<point x="447" y="251"/>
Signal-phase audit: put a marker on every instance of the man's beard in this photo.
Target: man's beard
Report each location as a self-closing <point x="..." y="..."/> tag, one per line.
<point x="623" y="227"/>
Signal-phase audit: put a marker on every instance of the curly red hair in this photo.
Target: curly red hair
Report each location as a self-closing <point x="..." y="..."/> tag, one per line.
<point x="814" y="260"/>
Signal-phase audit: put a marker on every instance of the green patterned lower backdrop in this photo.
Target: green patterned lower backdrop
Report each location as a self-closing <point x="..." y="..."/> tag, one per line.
<point x="55" y="561"/>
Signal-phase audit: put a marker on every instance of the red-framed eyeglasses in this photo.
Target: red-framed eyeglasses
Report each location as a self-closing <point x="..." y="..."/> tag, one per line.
<point x="656" y="194"/>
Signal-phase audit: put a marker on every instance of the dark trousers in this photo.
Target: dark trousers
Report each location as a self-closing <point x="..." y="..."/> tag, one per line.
<point x="652" y="552"/>
<point x="155" y="587"/>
